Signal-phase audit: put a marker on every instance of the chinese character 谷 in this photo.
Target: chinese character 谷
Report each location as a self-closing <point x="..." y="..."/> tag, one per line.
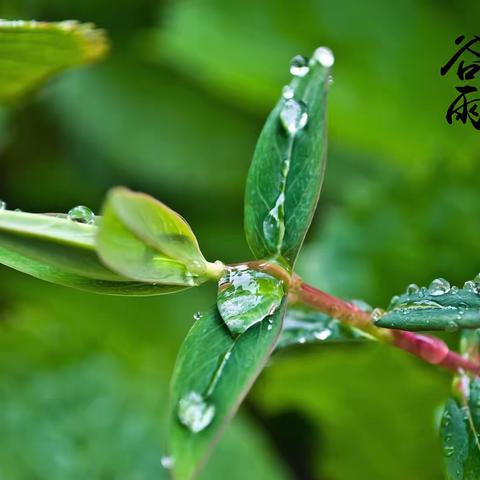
<point x="466" y="70"/>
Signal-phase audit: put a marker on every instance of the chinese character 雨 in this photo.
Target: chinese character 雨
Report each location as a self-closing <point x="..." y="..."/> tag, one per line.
<point x="463" y="109"/>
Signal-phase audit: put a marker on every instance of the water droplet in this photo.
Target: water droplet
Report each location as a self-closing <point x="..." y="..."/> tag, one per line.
<point x="81" y="214"/>
<point x="197" y="316"/>
<point x="167" y="462"/>
<point x="293" y="116"/>
<point x="302" y="340"/>
<point x="323" y="334"/>
<point x="196" y="267"/>
<point x="452" y="326"/>
<point x="412" y="289"/>
<point x="454" y="290"/>
<point x="194" y="412"/>
<point x="439" y="286"/>
<point x="18" y="210"/>
<point x="477" y="280"/>
<point x="448" y="450"/>
<point x="299" y="66"/>
<point x="288" y="92"/>
<point x="324" y="56"/>
<point x="3" y="205"/>
<point x="470" y="285"/>
<point x="377" y="314"/>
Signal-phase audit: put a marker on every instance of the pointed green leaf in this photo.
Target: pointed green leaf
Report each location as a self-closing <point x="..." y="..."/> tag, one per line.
<point x="213" y="373"/>
<point x="438" y="307"/>
<point x="58" y="250"/>
<point x="31" y="52"/>
<point x="143" y="239"/>
<point x="247" y="296"/>
<point x="304" y="325"/>
<point x="287" y="170"/>
<point x="460" y="433"/>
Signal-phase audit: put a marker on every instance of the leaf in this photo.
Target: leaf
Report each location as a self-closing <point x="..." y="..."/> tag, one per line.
<point x="31" y="52"/>
<point x="143" y="239"/>
<point x="213" y="373"/>
<point x="286" y="174"/>
<point x="460" y="433"/>
<point x="247" y="296"/>
<point x="58" y="250"/>
<point x="440" y="307"/>
<point x="303" y="325"/>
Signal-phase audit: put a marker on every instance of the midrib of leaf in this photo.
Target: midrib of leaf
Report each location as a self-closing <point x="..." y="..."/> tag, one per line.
<point x="280" y="202"/>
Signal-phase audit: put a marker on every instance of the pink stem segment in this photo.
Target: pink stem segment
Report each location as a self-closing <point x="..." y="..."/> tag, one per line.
<point x="428" y="348"/>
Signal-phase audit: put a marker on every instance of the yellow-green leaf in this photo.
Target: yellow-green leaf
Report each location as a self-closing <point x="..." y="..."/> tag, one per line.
<point x="31" y="52"/>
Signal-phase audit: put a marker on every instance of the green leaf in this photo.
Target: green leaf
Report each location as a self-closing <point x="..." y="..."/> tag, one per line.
<point x="247" y="296"/>
<point x="143" y="239"/>
<point x="58" y="250"/>
<point x="438" y="307"/>
<point x="460" y="432"/>
<point x="31" y="52"/>
<point x="303" y="325"/>
<point x="286" y="174"/>
<point x="213" y="373"/>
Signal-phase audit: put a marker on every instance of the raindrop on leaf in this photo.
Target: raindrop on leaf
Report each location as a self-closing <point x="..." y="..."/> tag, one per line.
<point x="299" y="66"/>
<point x="81" y="214"/>
<point x="194" y="412"/>
<point x="439" y="286"/>
<point x="293" y="116"/>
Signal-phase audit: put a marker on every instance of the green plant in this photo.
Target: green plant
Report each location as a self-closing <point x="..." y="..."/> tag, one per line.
<point x="138" y="246"/>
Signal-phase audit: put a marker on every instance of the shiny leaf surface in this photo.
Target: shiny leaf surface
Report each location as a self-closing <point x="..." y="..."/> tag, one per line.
<point x="302" y="325"/>
<point x="143" y="239"/>
<point x="438" y="307"/>
<point x="286" y="174"/>
<point x="58" y="250"/>
<point x="213" y="373"/>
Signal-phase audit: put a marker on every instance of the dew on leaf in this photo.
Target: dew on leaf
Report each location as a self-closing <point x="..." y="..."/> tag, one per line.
<point x="324" y="56"/>
<point x="293" y="116"/>
<point x="81" y="214"/>
<point x="3" y="205"/>
<point x="194" y="412"/>
<point x="470" y="285"/>
<point x="439" y="286"/>
<point x="288" y="92"/>
<point x="167" y="462"/>
<point x="377" y="314"/>
<point x="299" y="66"/>
<point x="197" y="316"/>
<point x="412" y="289"/>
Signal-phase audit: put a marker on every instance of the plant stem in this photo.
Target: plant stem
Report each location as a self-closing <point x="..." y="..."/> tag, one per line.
<point x="428" y="348"/>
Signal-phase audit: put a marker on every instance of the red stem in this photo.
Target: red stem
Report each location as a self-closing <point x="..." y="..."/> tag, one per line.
<point x="428" y="348"/>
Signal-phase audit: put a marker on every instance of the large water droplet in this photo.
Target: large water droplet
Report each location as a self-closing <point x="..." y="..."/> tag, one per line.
<point x="3" y="205"/>
<point x="167" y="462"/>
<point x="194" y="412"/>
<point x="293" y="116"/>
<point x="81" y="214"/>
<point x="324" y="56"/>
<point x="412" y="289"/>
<point x="288" y="92"/>
<point x="439" y="286"/>
<point x="299" y="66"/>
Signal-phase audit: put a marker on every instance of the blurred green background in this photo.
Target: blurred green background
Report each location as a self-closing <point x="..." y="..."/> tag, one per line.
<point x="175" y="111"/>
